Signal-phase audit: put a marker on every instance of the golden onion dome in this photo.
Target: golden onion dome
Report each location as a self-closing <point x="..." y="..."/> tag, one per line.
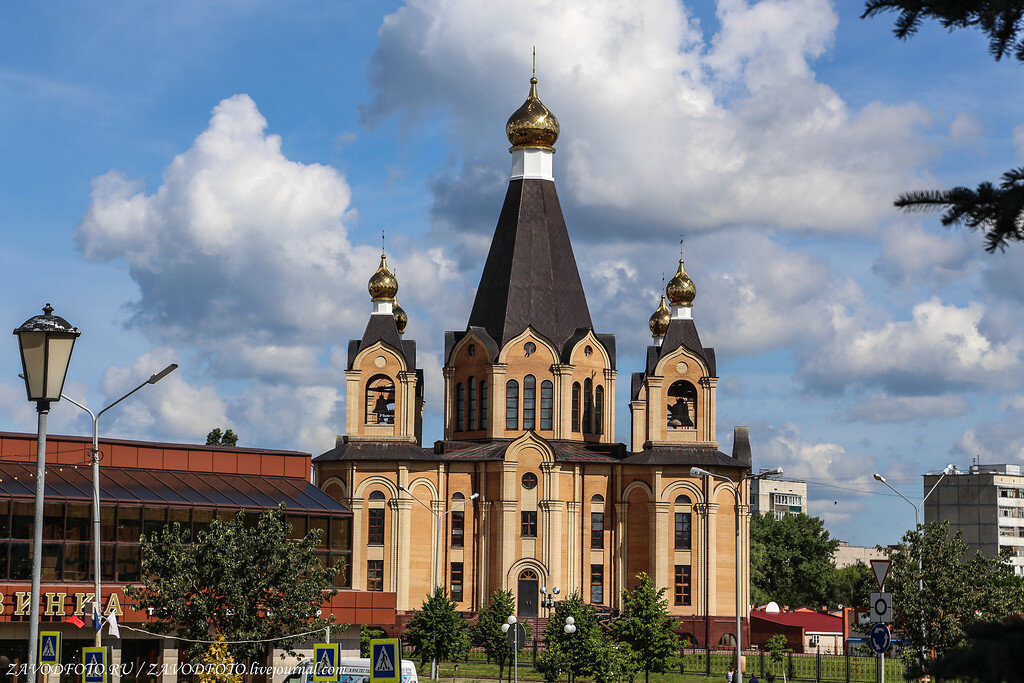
<point x="533" y="124"/>
<point x="401" y="317"/>
<point x="383" y="284"/>
<point x="681" y="290"/>
<point x="660" y="319"/>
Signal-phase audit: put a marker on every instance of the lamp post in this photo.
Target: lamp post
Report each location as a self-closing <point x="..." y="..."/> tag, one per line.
<point x="97" y="610"/>
<point x="917" y="527"/>
<point x="735" y="486"/>
<point x="511" y="623"/>
<point x="46" y="342"/>
<point x="569" y="629"/>
<point x="437" y="547"/>
<point x="547" y="600"/>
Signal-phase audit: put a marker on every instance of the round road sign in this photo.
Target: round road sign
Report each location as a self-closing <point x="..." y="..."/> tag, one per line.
<point x="880" y="638"/>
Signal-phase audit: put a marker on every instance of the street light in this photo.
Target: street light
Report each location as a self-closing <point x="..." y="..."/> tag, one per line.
<point x="548" y="600"/>
<point x="735" y="486"/>
<point x="46" y="342"/>
<point x="97" y="610"/>
<point x="569" y="629"/>
<point x="948" y="469"/>
<point x="511" y="623"/>
<point x="437" y="547"/>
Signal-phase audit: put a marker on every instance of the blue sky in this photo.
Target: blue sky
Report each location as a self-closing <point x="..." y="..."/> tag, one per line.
<point x="205" y="183"/>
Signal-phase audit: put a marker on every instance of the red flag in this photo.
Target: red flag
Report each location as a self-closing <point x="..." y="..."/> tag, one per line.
<point x="75" y="620"/>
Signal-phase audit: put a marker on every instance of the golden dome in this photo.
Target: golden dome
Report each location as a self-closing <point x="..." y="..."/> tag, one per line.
<point x="681" y="290"/>
<point x="660" y="319"/>
<point x="401" y="317"/>
<point x="533" y="124"/>
<point x="383" y="284"/>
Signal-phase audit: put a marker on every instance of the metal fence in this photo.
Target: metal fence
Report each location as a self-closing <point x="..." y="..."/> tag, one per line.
<point x="794" y="667"/>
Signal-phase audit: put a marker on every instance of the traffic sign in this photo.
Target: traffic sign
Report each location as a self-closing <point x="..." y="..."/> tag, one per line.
<point x="49" y="647"/>
<point x="881" y="607"/>
<point x="880" y="638"/>
<point x="325" y="662"/>
<point x="385" y="660"/>
<point x="514" y="630"/>
<point x="94" y="665"/>
<point x="881" y="569"/>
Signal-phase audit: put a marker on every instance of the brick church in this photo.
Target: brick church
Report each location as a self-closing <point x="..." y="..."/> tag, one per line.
<point x="530" y="487"/>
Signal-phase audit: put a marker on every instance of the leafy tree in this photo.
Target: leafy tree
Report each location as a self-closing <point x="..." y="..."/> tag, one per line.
<point x="366" y="634"/>
<point x="791" y="560"/>
<point x="487" y="633"/>
<point x="777" y="651"/>
<point x="438" y="630"/>
<point x="216" y="438"/>
<point x="218" y="665"/>
<point x="960" y="589"/>
<point x="236" y="581"/>
<point x="646" y="627"/>
<point x="986" y="656"/>
<point x="851" y="585"/>
<point x="996" y="210"/>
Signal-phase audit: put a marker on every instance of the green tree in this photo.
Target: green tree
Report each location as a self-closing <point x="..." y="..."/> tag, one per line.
<point x="986" y="657"/>
<point x="960" y="589"/>
<point x="997" y="210"/>
<point x="216" y="438"/>
<point x="237" y="581"/>
<point x="218" y="665"/>
<point x="486" y="632"/>
<point x="646" y="627"/>
<point x="791" y="560"/>
<point x="438" y="630"/>
<point x="851" y="586"/>
<point x="582" y="653"/>
<point x="366" y="634"/>
<point x="777" y="651"/>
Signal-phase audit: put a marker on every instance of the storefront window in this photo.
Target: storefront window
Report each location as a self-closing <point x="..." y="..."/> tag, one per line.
<point x="79" y="522"/>
<point x="319" y="523"/>
<point x="108" y="530"/>
<point x="129" y="525"/>
<point x="21" y="561"/>
<point x="181" y="516"/>
<point x="341" y="533"/>
<point x="154" y="520"/>
<point x="298" y="524"/>
<point x="128" y="562"/>
<point x="21" y="526"/>
<point x="76" y="561"/>
<point x="52" y="554"/>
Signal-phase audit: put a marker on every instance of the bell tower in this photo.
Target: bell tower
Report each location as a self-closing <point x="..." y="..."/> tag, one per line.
<point x="384" y="388"/>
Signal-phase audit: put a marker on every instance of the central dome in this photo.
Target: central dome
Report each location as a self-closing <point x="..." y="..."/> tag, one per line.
<point x="533" y="124"/>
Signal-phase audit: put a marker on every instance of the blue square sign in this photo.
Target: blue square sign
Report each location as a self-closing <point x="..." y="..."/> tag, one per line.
<point x="385" y="660"/>
<point x="94" y="661"/>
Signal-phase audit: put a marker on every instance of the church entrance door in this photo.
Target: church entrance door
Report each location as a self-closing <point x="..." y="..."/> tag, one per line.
<point x="529" y="588"/>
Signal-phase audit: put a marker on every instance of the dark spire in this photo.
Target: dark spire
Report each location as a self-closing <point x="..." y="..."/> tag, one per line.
<point x="530" y="277"/>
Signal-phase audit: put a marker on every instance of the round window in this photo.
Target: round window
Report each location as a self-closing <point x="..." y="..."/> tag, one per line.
<point x="471" y="350"/>
<point x="530" y="348"/>
<point x="529" y="480"/>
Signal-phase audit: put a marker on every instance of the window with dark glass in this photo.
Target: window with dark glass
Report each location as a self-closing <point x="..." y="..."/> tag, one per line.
<point x="588" y="406"/>
<point x="512" y="404"/>
<point x="375" y="575"/>
<point x="456" y="587"/>
<point x="472" y="404"/>
<point x="597" y="584"/>
<point x="598" y="409"/>
<point x="596" y="529"/>
<point x="460" y="407"/>
<point x="576" y="406"/>
<point x="682" y="587"/>
<point x="683" y="531"/>
<point x="458" y="528"/>
<point x="546" y="401"/>
<point x="483" y="404"/>
<point x="529" y="523"/>
<point x="375" y="526"/>
<point x="529" y="401"/>
<point x="529" y="481"/>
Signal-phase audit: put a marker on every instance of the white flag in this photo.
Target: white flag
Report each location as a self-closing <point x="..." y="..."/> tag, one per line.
<point x="112" y="621"/>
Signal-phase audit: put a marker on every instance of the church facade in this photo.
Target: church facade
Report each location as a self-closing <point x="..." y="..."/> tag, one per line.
<point x="528" y="488"/>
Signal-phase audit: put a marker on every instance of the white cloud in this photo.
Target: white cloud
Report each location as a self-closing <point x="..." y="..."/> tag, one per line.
<point x="995" y="442"/>
<point x="912" y="256"/>
<point x="658" y="124"/>
<point x="880" y="408"/>
<point x="965" y="128"/>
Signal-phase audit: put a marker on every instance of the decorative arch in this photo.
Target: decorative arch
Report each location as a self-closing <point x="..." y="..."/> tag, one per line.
<point x="525" y="563"/>
<point x="380" y="347"/>
<point x="531" y="334"/>
<point x="335" y="481"/>
<point x="376" y="480"/>
<point x="673" y="357"/>
<point x="470" y="337"/>
<point x="381" y="399"/>
<point x="423" y="481"/>
<point x="685" y="488"/>
<point x="720" y="486"/>
<point x="532" y="440"/>
<point x="637" y="484"/>
<point x="591" y="338"/>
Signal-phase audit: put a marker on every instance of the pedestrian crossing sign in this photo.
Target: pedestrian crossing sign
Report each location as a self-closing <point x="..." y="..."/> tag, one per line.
<point x="49" y="647"/>
<point x="94" y="665"/>
<point x="325" y="662"/>
<point x="385" y="660"/>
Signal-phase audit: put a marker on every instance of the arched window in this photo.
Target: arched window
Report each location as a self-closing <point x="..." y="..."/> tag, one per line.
<point x="472" y="403"/>
<point x="377" y="495"/>
<point x="683" y="500"/>
<point x="598" y="409"/>
<point x="483" y="404"/>
<point x="575" y="406"/>
<point x="460" y="407"/>
<point x="512" y="404"/>
<point x="380" y="401"/>
<point x="546" y="400"/>
<point x="682" y="405"/>
<point x="458" y="496"/>
<point x="588" y="406"/>
<point x="727" y="639"/>
<point x="597" y="498"/>
<point x="529" y="402"/>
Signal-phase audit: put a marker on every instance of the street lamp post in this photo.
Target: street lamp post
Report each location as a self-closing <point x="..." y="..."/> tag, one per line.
<point x="97" y="610"/>
<point x="46" y="342"/>
<point x="570" y="628"/>
<point x="437" y="547"/>
<point x="735" y="486"/>
<point x="917" y="527"/>
<point x="547" y="600"/>
<point x="511" y="623"/>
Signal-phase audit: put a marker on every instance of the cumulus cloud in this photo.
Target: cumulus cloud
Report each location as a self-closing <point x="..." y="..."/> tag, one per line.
<point x="939" y="349"/>
<point x="912" y="256"/>
<point x="879" y="408"/>
<point x="965" y="128"/>
<point x="995" y="441"/>
<point x="659" y="124"/>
